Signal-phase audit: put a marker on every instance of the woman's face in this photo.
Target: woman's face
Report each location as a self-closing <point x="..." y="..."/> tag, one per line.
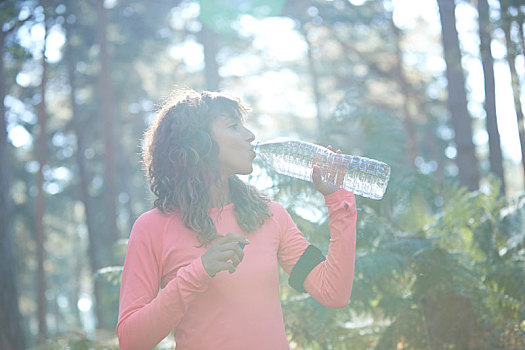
<point x="235" y="149"/>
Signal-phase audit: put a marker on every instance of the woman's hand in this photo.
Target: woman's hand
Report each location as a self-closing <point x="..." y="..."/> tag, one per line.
<point x="323" y="187"/>
<point x="225" y="254"/>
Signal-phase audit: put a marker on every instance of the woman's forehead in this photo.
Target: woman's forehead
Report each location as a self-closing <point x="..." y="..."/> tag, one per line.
<point x="226" y="118"/>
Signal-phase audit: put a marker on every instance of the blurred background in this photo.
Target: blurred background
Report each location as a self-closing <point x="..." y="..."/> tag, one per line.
<point x="433" y="88"/>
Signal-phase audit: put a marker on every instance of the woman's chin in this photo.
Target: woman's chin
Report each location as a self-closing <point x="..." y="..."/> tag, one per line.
<point x="246" y="171"/>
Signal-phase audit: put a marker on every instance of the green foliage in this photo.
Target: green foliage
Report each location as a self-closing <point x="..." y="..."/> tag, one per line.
<point x="77" y="340"/>
<point x="111" y="274"/>
<point x="220" y="15"/>
<point x="448" y="280"/>
<point x="436" y="267"/>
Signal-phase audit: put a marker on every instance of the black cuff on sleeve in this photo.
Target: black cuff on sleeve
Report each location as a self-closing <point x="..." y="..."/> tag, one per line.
<point x="311" y="257"/>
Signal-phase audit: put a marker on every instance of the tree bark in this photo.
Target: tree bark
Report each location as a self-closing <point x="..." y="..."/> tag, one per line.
<point x="315" y="80"/>
<point x="403" y="84"/>
<point x="466" y="160"/>
<point x="520" y="19"/>
<point x="11" y="334"/>
<point x="495" y="156"/>
<point x="107" y="114"/>
<point x="511" y="60"/>
<point x="40" y="198"/>
<point x="209" y="40"/>
<point x="95" y="261"/>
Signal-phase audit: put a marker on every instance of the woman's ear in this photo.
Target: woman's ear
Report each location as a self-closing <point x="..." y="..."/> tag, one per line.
<point x="203" y="143"/>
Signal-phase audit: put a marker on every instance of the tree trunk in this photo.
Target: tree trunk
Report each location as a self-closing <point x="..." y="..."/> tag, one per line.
<point x="125" y="177"/>
<point x="495" y="156"/>
<point x="40" y="199"/>
<point x="511" y="60"/>
<point x="403" y="84"/>
<point x="107" y="303"/>
<point x="107" y="104"/>
<point x="520" y="19"/>
<point x="95" y="261"/>
<point x="209" y="40"/>
<point x="11" y="334"/>
<point x="315" y="82"/>
<point x="457" y="99"/>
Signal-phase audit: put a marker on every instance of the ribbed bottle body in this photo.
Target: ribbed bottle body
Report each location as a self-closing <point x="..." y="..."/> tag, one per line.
<point x="362" y="176"/>
<point x="366" y="177"/>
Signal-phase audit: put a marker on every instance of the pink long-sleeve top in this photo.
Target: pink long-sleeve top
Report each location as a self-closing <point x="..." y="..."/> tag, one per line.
<point x="165" y="287"/>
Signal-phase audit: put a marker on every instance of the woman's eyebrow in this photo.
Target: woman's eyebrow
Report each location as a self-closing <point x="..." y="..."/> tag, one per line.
<point x="231" y="118"/>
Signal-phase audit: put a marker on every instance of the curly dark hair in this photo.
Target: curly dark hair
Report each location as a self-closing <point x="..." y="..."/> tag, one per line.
<point x="181" y="163"/>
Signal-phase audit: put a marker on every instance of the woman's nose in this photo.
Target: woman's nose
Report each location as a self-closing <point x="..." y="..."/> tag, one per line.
<point x="249" y="135"/>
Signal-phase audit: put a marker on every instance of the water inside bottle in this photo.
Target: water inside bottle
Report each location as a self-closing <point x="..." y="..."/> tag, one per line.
<point x="363" y="176"/>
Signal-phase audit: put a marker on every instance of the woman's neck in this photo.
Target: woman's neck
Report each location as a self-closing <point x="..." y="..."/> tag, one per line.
<point x="219" y="194"/>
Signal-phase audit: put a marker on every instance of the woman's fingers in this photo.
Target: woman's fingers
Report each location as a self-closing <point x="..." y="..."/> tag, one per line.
<point x="226" y="261"/>
<point x="225" y="254"/>
<point x="233" y="237"/>
<point x="232" y="247"/>
<point x="325" y="188"/>
<point x="230" y="255"/>
<point x="316" y="175"/>
<point x="222" y="266"/>
<point x="234" y="250"/>
<point x="331" y="148"/>
<point x="220" y="261"/>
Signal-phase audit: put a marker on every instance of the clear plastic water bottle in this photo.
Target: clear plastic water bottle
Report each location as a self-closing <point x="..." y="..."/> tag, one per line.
<point x="362" y="176"/>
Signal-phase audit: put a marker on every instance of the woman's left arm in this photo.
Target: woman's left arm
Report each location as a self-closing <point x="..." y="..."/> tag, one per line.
<point x="330" y="281"/>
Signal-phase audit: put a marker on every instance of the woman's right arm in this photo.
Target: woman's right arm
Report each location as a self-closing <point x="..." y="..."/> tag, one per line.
<point x="147" y="315"/>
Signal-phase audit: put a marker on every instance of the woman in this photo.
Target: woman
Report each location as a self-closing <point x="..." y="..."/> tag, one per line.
<point x="204" y="262"/>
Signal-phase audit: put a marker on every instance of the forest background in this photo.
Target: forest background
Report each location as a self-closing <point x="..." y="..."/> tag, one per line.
<point x="433" y="88"/>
